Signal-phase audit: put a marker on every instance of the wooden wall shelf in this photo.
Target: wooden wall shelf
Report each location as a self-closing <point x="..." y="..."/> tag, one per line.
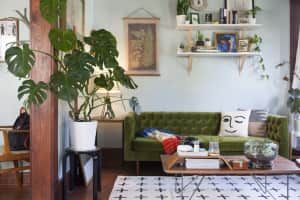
<point x="238" y="27"/>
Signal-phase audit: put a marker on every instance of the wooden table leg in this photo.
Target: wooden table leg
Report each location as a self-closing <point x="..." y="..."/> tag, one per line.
<point x="99" y="171"/>
<point x="95" y="177"/>
<point x="64" y="174"/>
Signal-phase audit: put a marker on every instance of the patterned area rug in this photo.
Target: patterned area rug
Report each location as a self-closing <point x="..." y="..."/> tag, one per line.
<point x="212" y="188"/>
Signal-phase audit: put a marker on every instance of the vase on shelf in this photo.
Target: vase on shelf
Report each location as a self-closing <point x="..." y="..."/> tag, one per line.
<point x="181" y="19"/>
<point x="252" y="20"/>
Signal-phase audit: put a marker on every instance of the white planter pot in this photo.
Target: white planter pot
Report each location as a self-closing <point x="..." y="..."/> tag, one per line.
<point x="252" y="20"/>
<point x="297" y="126"/>
<point x="207" y="43"/>
<point x="83" y="135"/>
<point x="180" y="19"/>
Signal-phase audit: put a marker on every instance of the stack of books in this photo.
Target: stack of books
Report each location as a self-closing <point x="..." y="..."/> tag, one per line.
<point x="202" y="163"/>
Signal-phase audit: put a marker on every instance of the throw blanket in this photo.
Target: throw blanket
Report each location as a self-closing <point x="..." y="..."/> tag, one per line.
<point x="168" y="140"/>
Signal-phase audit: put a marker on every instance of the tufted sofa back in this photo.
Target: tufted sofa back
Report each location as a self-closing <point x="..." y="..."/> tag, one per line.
<point x="184" y="123"/>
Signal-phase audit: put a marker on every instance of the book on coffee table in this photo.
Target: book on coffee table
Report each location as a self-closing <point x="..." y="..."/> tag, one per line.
<point x="195" y="163"/>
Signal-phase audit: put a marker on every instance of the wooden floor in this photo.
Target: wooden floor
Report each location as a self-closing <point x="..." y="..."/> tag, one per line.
<point x="112" y="168"/>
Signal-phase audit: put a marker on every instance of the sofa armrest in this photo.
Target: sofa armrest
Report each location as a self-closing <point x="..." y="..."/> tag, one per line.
<point x="129" y="133"/>
<point x="277" y="130"/>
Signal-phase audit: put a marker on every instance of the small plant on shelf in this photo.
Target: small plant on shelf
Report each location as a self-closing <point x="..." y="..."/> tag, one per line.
<point x="182" y="11"/>
<point x="207" y="42"/>
<point x="200" y="39"/>
<point x="255" y="43"/>
<point x="252" y="14"/>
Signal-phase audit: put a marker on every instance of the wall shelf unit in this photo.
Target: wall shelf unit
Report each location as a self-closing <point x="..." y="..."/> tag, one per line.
<point x="241" y="28"/>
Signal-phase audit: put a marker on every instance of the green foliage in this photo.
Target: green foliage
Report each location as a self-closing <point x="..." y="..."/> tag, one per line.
<point x="104" y="47"/>
<point x="293" y="102"/>
<point x="20" y="60"/>
<point x="76" y="67"/>
<point x="52" y="9"/>
<point x="63" y="40"/>
<point x="35" y="93"/>
<point x="183" y="7"/>
<point x="256" y="40"/>
<point x="200" y="36"/>
<point x="254" y="11"/>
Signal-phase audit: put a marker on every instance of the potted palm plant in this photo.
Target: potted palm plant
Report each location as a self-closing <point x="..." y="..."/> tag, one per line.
<point x="182" y="10"/>
<point x="76" y="70"/>
<point x="252" y="14"/>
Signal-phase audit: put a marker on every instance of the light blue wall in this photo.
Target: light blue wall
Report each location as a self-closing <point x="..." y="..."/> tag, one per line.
<point x="214" y="84"/>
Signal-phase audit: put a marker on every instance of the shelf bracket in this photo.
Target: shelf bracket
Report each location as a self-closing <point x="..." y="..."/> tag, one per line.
<point x="241" y="64"/>
<point x="190" y="64"/>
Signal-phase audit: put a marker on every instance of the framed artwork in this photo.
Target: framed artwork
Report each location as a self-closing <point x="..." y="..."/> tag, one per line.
<point x="194" y="18"/>
<point x="141" y="46"/>
<point x="243" y="45"/>
<point x="9" y="34"/>
<point x="75" y="15"/>
<point x="226" y="42"/>
<point x="198" y="5"/>
<point x="240" y="5"/>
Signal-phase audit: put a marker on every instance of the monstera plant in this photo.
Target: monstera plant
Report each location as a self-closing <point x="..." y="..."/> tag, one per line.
<point x="76" y="71"/>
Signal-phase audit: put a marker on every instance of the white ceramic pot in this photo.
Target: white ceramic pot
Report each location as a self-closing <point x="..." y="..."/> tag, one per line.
<point x="207" y="43"/>
<point x="252" y="20"/>
<point x="83" y="135"/>
<point x="180" y="19"/>
<point x="297" y="126"/>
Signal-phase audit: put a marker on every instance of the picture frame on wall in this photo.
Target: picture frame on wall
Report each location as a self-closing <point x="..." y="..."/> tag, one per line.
<point x="243" y="45"/>
<point x="141" y="39"/>
<point x="226" y="42"/>
<point x="194" y="18"/>
<point x="9" y="34"/>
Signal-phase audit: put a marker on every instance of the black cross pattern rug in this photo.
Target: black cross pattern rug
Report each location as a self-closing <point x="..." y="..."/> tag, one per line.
<point x="212" y="188"/>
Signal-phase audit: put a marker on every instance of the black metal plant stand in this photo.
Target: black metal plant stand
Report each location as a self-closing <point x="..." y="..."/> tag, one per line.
<point x="95" y="154"/>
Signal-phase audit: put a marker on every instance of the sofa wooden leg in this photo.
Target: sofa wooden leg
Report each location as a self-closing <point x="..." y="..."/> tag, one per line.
<point x="137" y="168"/>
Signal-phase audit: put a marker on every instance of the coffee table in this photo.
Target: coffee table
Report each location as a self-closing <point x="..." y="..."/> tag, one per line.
<point x="282" y="166"/>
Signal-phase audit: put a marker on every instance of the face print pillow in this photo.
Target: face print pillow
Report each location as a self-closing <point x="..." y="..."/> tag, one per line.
<point x="235" y="123"/>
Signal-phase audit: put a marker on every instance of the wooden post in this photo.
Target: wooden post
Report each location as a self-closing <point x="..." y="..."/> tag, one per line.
<point x="44" y="178"/>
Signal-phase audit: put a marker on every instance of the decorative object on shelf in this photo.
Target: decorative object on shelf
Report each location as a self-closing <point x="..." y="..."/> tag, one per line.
<point x="9" y="35"/>
<point x="181" y="48"/>
<point x="243" y="45"/>
<point x="194" y="18"/>
<point x="182" y="11"/>
<point x="226" y="42"/>
<point x="207" y="43"/>
<point x="76" y="66"/>
<point x="234" y="17"/>
<point x="252" y="14"/>
<point x="198" y="5"/>
<point x="208" y="18"/>
<point x="200" y="40"/>
<point x="222" y="14"/>
<point x="261" y="153"/>
<point x="142" y="44"/>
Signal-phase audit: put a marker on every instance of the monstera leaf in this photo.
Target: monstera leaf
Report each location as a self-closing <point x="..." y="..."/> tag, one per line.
<point x="51" y="9"/>
<point x="80" y="65"/>
<point x="64" y="40"/>
<point x="20" y="60"/>
<point x="64" y="86"/>
<point x="123" y="79"/>
<point x="36" y="93"/>
<point x="105" y="81"/>
<point x="104" y="48"/>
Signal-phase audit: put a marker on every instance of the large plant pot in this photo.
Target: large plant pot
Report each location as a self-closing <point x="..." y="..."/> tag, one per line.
<point x="180" y="19"/>
<point x="83" y="135"/>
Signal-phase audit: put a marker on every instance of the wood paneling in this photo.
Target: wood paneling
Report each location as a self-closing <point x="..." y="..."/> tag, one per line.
<point x="294" y="31"/>
<point x="43" y="118"/>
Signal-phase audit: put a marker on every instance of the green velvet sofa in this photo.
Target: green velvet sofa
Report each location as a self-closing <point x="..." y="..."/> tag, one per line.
<point x="203" y="125"/>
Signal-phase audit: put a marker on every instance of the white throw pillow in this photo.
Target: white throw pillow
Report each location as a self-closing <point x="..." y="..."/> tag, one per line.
<point x="235" y="123"/>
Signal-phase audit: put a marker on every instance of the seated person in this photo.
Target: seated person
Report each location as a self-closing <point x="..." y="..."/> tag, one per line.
<point x="19" y="141"/>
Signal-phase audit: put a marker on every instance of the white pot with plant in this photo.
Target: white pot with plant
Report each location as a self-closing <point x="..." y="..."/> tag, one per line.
<point x="252" y="14"/>
<point x="76" y="67"/>
<point x="182" y="10"/>
<point x="207" y="43"/>
<point x="293" y="104"/>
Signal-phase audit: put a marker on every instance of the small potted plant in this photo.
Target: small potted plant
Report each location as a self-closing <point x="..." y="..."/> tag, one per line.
<point x="255" y="43"/>
<point x="182" y="10"/>
<point x="200" y="39"/>
<point x="181" y="48"/>
<point x="252" y="14"/>
<point x="293" y="104"/>
<point x="207" y="42"/>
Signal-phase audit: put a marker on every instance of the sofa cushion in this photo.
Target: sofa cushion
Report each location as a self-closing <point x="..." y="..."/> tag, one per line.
<point x="146" y="144"/>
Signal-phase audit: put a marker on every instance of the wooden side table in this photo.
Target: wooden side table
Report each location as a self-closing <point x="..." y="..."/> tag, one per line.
<point x="95" y="154"/>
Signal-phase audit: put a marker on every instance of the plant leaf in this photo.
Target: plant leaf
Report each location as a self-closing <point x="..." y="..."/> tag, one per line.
<point x="35" y="94"/>
<point x="123" y="79"/>
<point x="104" y="47"/>
<point x="64" y="40"/>
<point x="52" y="9"/>
<point x="105" y="81"/>
<point x="20" y="61"/>
<point x="64" y="86"/>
